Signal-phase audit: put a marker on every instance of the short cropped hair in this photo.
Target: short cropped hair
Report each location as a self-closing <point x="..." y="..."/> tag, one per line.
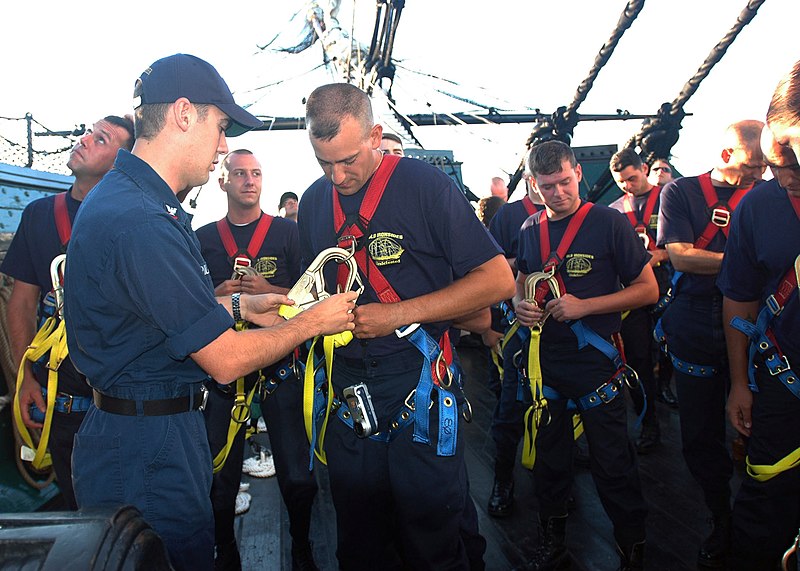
<point x="124" y="123"/>
<point x="785" y="104"/>
<point x="150" y="119"/>
<point x="548" y="157"/>
<point x="625" y="158"/>
<point x="392" y="137"/>
<point x="328" y="105"/>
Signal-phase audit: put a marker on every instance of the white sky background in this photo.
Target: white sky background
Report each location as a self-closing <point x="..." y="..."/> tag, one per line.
<point x="71" y="63"/>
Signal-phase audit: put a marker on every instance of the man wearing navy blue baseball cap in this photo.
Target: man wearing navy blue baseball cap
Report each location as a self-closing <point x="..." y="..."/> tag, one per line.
<point x="144" y="325"/>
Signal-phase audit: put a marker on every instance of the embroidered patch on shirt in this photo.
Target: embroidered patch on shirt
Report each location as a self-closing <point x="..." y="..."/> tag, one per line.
<point x="385" y="248"/>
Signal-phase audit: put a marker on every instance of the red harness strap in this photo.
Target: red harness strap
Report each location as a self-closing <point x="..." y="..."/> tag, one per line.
<point x="552" y="259"/>
<point x="641" y="225"/>
<point x="530" y="207"/>
<point x="63" y="225"/>
<point x="720" y="210"/>
<point x="260" y="233"/>
<point x="349" y="234"/>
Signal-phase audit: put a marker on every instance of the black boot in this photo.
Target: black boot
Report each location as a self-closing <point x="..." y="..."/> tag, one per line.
<point x="631" y="558"/>
<point x="650" y="437"/>
<point x="227" y="557"/>
<point x="303" y="557"/>
<point x="501" y="501"/>
<point x="714" y="550"/>
<point x="551" y="553"/>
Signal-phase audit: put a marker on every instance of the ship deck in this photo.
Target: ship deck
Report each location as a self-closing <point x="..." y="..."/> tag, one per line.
<point x="676" y="524"/>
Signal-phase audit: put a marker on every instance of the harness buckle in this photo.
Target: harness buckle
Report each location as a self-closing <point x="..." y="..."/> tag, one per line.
<point x="721" y="217"/>
<point x="204" y="390"/>
<point x="409" y="401"/>
<point x="772" y="304"/>
<point x="607" y="396"/>
<point x="782" y="368"/>
<point x="440" y="376"/>
<point x="644" y="235"/>
<point x="56" y="278"/>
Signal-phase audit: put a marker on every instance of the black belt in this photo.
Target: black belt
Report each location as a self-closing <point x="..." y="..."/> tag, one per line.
<point x="160" y="407"/>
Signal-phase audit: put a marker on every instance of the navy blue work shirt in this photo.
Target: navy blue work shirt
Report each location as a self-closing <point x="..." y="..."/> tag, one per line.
<point x="423" y="236"/>
<point x="763" y="243"/>
<point x="605" y="252"/>
<point x="506" y="224"/>
<point x="139" y="298"/>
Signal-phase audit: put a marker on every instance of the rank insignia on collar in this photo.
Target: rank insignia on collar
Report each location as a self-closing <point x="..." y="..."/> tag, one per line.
<point x="171" y="210"/>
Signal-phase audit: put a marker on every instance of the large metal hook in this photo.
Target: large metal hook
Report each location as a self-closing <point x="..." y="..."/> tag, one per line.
<point x="532" y="282"/>
<point x="56" y="278"/>
<point x="310" y="288"/>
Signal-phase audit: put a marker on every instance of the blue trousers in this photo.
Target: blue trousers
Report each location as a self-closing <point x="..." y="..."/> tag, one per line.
<point x="508" y="419"/>
<point x="766" y="515"/>
<point x="398" y="504"/>
<point x="693" y="327"/>
<point x="574" y="373"/>
<point x="159" y="464"/>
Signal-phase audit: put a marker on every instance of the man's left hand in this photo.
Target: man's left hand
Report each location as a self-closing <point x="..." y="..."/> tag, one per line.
<point x="254" y="285"/>
<point x="567" y="307"/>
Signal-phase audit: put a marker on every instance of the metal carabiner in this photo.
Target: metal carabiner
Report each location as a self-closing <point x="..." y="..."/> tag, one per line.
<point x="311" y="287"/>
<point x="56" y="278"/>
<point x="532" y="282"/>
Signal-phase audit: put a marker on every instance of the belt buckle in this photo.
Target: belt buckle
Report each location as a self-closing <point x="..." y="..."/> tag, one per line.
<point x="204" y="390"/>
<point x="772" y="303"/>
<point x="604" y="395"/>
<point x="720" y="217"/>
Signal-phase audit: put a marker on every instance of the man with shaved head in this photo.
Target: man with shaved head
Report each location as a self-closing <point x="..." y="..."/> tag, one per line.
<point x="761" y="263"/>
<point x="693" y="226"/>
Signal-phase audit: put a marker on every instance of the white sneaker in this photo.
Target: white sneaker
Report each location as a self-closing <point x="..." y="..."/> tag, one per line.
<point x="244" y="486"/>
<point x="242" y="502"/>
<point x="262" y="466"/>
<point x="261" y="425"/>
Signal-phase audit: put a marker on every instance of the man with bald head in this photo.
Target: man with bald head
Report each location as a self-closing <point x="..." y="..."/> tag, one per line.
<point x="693" y="226"/>
<point x="760" y="263"/>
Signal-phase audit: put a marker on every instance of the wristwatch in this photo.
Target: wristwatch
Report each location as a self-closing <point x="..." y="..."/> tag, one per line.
<point x="236" y="306"/>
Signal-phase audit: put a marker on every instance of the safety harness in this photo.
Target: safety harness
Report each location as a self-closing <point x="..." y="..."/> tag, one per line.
<point x="720" y="212"/>
<point x="50" y="340"/>
<point x="762" y="341"/>
<point x="641" y="223"/>
<point x="237" y="255"/>
<point x="242" y="259"/>
<point x="537" y="287"/>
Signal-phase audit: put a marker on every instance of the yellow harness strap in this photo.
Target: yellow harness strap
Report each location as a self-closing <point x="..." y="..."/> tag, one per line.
<point x="329" y="342"/>
<point x="764" y="472"/>
<point x="240" y="414"/>
<point x="533" y="416"/>
<point x="51" y="338"/>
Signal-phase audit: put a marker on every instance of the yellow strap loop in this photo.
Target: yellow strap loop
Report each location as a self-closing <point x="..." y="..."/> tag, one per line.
<point x="51" y="338"/>
<point x="236" y="423"/>
<point x="533" y="415"/>
<point x="764" y="472"/>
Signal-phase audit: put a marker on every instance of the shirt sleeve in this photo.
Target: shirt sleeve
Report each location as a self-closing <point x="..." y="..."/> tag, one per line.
<point x="740" y="277"/>
<point x="160" y="253"/>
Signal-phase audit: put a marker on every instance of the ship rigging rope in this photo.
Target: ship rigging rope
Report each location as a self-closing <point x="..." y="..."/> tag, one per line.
<point x="631" y="12"/>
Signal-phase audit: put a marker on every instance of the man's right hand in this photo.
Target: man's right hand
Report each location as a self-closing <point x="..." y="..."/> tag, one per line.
<point x="332" y="315"/>
<point x="740" y="408"/>
<point x="228" y="287"/>
<point x="529" y="314"/>
<point x="30" y="393"/>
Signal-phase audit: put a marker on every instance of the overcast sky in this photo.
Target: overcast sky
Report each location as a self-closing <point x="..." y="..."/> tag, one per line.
<point x="71" y="63"/>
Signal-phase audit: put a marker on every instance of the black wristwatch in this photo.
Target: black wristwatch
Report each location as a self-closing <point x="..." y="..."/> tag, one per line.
<point x="236" y="306"/>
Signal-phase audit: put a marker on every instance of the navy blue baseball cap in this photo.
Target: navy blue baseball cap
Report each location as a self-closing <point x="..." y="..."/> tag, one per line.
<point x="183" y="75"/>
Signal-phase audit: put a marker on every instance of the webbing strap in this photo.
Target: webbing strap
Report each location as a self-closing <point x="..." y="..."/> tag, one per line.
<point x="348" y="235"/>
<point x="61" y="214"/>
<point x="52" y="339"/>
<point x="641" y="224"/>
<point x="530" y="207"/>
<point x="533" y="416"/>
<point x="552" y="259"/>
<point x="256" y="241"/>
<point x="720" y="210"/>
<point x="237" y="421"/>
<point x="313" y="405"/>
<point x="764" y="472"/>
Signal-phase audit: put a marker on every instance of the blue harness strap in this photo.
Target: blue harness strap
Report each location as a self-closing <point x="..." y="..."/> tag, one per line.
<point x="282" y="372"/>
<point x="777" y="364"/>
<point x="69" y="403"/>
<point x="685" y="367"/>
<point x="448" y="411"/>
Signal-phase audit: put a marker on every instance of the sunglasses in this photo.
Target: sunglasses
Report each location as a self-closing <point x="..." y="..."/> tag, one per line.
<point x="665" y="169"/>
